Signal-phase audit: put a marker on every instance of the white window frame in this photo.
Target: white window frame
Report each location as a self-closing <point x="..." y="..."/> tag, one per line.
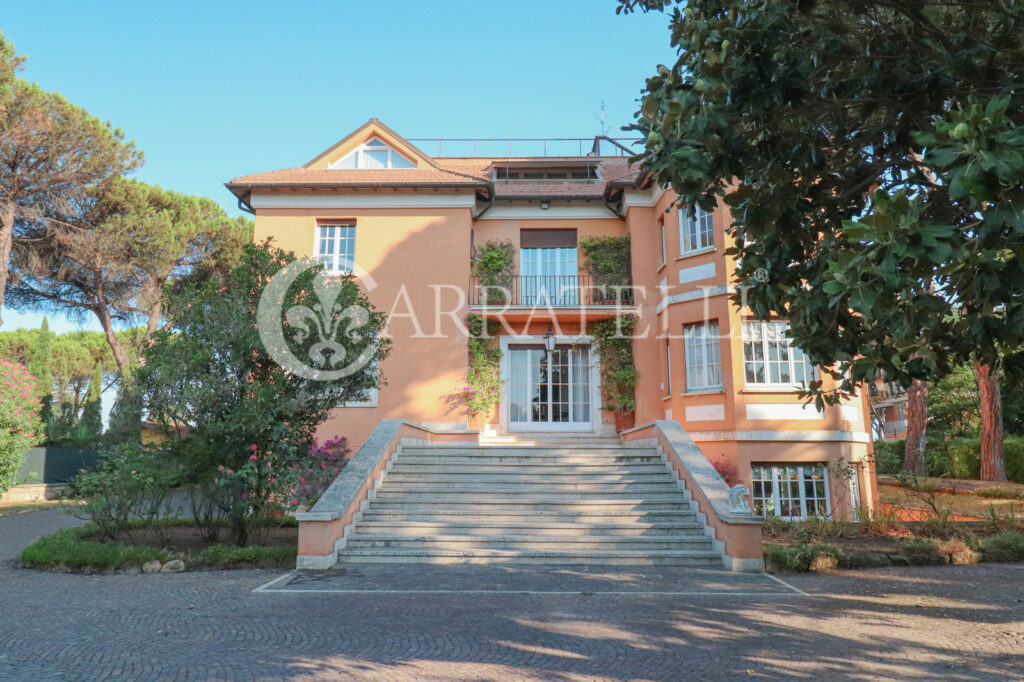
<point x="778" y="473"/>
<point x="344" y="239"/>
<point x="664" y="245"/>
<point x="701" y="227"/>
<point x="360" y="155"/>
<point x="668" y="368"/>
<point x="702" y="347"/>
<point x="768" y="333"/>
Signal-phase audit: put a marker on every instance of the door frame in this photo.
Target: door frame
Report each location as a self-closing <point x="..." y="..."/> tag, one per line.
<point x="594" y="426"/>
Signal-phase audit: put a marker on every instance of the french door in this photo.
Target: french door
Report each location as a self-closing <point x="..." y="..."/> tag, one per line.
<point x="549" y="391"/>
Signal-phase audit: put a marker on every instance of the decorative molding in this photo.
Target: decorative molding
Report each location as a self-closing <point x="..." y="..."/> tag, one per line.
<point x="782" y="436"/>
<point x="695" y="295"/>
<point x="705" y="413"/>
<point x="783" y="411"/>
<point x="550" y="213"/>
<point x="697" y="273"/>
<point x="362" y="200"/>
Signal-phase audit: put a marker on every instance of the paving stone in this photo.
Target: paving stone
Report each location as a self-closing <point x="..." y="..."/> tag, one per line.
<point x="948" y="622"/>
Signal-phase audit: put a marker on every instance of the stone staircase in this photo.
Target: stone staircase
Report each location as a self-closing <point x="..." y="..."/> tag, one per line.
<point x="529" y="502"/>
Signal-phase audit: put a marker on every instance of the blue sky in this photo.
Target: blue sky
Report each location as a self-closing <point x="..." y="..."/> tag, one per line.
<point x="213" y="90"/>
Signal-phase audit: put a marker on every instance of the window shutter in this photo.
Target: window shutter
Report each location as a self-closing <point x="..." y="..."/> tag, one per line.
<point x="547" y="239"/>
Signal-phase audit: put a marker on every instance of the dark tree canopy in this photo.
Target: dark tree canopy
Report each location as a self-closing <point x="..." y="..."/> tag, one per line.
<point x="872" y="154"/>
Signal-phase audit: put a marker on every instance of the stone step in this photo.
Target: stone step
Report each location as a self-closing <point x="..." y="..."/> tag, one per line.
<point x="546" y="487"/>
<point x="444" y="515"/>
<point x="538" y="468"/>
<point x="529" y="542"/>
<point x="484" y="495"/>
<point x="667" y="557"/>
<point x="521" y="527"/>
<point x="561" y="460"/>
<point x="515" y="507"/>
<point x="499" y="475"/>
<point x="495" y="451"/>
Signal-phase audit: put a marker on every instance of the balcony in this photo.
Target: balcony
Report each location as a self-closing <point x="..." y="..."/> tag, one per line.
<point x="514" y="294"/>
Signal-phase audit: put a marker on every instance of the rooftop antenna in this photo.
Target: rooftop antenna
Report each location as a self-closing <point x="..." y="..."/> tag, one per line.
<point x="604" y="127"/>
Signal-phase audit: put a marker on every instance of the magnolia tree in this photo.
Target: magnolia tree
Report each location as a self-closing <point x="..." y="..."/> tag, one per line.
<point x="872" y="154"/>
<point x="251" y="406"/>
<point x="20" y="427"/>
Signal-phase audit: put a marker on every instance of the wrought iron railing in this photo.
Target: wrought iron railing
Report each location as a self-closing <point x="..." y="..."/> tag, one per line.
<point x="554" y="291"/>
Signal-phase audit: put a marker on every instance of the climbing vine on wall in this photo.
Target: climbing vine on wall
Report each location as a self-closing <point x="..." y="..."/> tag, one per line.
<point x="483" y="377"/>
<point x="614" y="342"/>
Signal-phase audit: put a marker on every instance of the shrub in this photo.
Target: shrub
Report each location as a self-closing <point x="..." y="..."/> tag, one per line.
<point x="964" y="458"/>
<point x="225" y="556"/>
<point x="1000" y="493"/>
<point x="67" y="548"/>
<point x="609" y="262"/>
<point x="483" y="377"/>
<point x="493" y="267"/>
<point x="921" y="551"/>
<point x="1006" y="546"/>
<point x="129" y="487"/>
<point x="729" y="472"/>
<point x="319" y="469"/>
<point x="802" y="557"/>
<point x="889" y="456"/>
<point x="20" y="426"/>
<point x="614" y="340"/>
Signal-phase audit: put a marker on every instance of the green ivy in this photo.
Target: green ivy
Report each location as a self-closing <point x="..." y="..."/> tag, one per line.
<point x="483" y="378"/>
<point x="608" y="261"/>
<point x="493" y="267"/>
<point x="614" y="342"/>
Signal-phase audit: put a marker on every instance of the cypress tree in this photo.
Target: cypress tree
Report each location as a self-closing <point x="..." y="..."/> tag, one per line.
<point x="92" y="411"/>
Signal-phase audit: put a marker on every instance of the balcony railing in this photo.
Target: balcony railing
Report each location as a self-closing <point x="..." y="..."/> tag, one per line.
<point x="547" y="291"/>
<point x="896" y="426"/>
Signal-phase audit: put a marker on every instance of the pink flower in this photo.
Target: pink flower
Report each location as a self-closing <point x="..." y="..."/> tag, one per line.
<point x="301" y="479"/>
<point x="295" y="503"/>
<point x="273" y="480"/>
<point x="253" y="457"/>
<point x="323" y="466"/>
<point x="229" y="472"/>
<point x="244" y="495"/>
<point x="220" y="468"/>
<point x="253" y="447"/>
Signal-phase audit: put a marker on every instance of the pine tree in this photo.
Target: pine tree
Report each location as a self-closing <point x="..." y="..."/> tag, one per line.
<point x="39" y="365"/>
<point x="126" y="415"/>
<point x="92" y="412"/>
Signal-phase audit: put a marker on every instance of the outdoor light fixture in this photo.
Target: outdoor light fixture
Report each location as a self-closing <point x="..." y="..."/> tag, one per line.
<point x="544" y="205"/>
<point x="549" y="340"/>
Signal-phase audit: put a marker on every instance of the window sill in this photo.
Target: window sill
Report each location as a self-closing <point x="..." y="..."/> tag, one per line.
<point x="704" y="391"/>
<point x="698" y="252"/>
<point x="667" y="397"/>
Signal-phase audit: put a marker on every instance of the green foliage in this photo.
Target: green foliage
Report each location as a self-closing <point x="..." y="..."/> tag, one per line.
<point x="130" y="487"/>
<point x="67" y="548"/>
<point x="921" y="551"/>
<point x="801" y="557"/>
<point x="953" y="408"/>
<point x="212" y="372"/>
<point x="494" y="269"/>
<point x="126" y="414"/>
<point x="1006" y="546"/>
<point x="889" y="456"/>
<point x="20" y="426"/>
<point x="961" y="458"/>
<point x="54" y="151"/>
<point x="1000" y="493"/>
<point x="41" y="360"/>
<point x="483" y="378"/>
<point x="609" y="262"/>
<point x="614" y="341"/>
<point x="92" y="412"/>
<point x="228" y="556"/>
<point x="900" y="125"/>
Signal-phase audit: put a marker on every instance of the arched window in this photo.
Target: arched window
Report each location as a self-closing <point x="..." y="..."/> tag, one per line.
<point x="374" y="154"/>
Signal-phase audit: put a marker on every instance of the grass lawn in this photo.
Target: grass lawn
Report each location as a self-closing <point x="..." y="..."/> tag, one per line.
<point x="979" y="499"/>
<point x="10" y="508"/>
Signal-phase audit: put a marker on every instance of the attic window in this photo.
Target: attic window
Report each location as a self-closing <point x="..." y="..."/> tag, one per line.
<point x="374" y="154"/>
<point x="502" y="172"/>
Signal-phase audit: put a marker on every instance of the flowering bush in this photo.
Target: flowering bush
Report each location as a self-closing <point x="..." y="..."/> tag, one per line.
<point x="483" y="378"/>
<point x="319" y="469"/>
<point x="20" y="426"/>
<point x="727" y="470"/>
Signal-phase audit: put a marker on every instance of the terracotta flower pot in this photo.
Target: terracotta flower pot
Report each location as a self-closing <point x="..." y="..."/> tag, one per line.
<point x="625" y="420"/>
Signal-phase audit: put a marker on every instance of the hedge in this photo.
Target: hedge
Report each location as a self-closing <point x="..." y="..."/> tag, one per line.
<point x="956" y="458"/>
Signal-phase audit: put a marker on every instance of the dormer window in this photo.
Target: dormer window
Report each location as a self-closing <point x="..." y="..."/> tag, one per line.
<point x="374" y="154"/>
<point x="504" y="171"/>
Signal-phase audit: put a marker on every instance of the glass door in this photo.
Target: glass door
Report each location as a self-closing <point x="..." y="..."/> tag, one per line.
<point x="549" y="391"/>
<point x="549" y="277"/>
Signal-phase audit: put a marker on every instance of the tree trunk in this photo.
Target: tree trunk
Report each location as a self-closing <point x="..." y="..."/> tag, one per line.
<point x="993" y="465"/>
<point x="917" y="427"/>
<point x="116" y="347"/>
<point x="6" y="241"/>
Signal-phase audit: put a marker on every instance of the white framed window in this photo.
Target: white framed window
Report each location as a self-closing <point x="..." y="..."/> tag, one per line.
<point x="668" y="368"/>
<point x="374" y="154"/>
<point x="549" y="276"/>
<point x="664" y="251"/>
<point x="336" y="246"/>
<point x="771" y="359"/>
<point x="703" y="349"/>
<point x="790" y="491"/>
<point x="696" y="233"/>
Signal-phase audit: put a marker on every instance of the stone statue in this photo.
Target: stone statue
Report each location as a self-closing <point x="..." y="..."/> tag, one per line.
<point x="738" y="504"/>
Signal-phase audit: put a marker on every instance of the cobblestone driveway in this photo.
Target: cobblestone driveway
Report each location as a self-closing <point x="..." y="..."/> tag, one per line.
<point x="953" y="623"/>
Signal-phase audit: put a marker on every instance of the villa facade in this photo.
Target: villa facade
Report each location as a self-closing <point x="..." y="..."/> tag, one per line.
<point x="411" y="223"/>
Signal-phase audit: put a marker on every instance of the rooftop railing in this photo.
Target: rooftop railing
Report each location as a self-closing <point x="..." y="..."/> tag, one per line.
<point x="601" y="145"/>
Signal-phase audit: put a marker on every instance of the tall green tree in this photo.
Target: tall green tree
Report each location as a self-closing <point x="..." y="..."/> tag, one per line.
<point x="50" y="152"/>
<point x="872" y="154"/>
<point x="92" y="411"/>
<point x="40" y="361"/>
<point x="129" y="241"/>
